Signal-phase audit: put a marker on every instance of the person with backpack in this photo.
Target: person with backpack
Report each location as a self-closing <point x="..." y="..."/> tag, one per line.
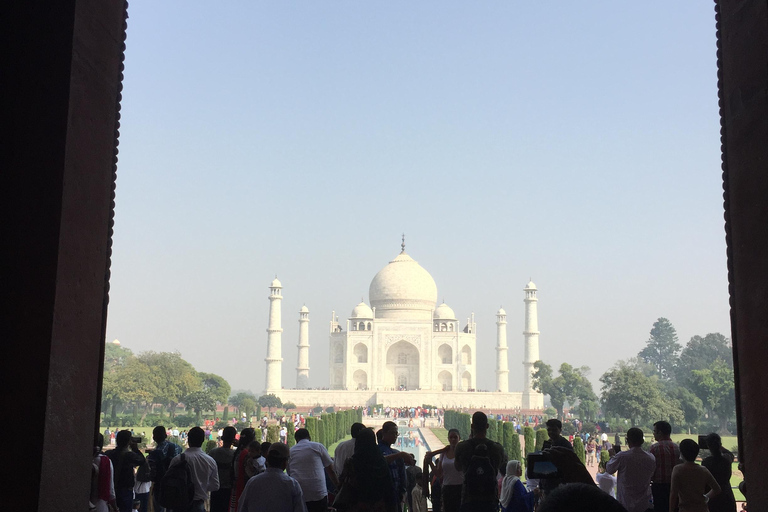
<point x="479" y="459"/>
<point x="199" y="470"/>
<point x="159" y="460"/>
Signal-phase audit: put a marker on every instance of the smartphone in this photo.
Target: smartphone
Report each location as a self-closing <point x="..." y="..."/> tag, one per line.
<point x="540" y="467"/>
<point x="703" y="442"/>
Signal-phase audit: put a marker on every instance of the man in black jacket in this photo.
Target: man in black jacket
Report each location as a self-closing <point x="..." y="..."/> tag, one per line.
<point x="125" y="457"/>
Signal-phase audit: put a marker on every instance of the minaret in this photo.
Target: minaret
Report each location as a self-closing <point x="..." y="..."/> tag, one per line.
<point x="531" y="334"/>
<point x="274" y="338"/>
<point x="502" y="364"/>
<point x="302" y="367"/>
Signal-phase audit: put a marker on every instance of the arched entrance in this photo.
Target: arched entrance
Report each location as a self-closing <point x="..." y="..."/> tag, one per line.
<point x="402" y="366"/>
<point x="446" y="380"/>
<point x="360" y="379"/>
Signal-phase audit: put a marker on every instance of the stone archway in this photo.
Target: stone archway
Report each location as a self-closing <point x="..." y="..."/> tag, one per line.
<point x="402" y="371"/>
<point x="360" y="378"/>
<point x="446" y="380"/>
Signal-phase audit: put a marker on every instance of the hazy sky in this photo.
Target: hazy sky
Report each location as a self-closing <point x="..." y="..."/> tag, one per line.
<point x="574" y="143"/>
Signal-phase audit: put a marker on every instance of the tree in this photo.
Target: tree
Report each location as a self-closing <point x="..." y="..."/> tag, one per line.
<point x="572" y="386"/>
<point x="270" y="401"/>
<point x="691" y="406"/>
<point x="628" y="393"/>
<point x="530" y="440"/>
<point x="545" y="382"/>
<point x="136" y="385"/>
<point x="236" y="401"/>
<point x="288" y="406"/>
<point x="578" y="447"/>
<point x="200" y="401"/>
<point x="661" y="349"/>
<point x="174" y="377"/>
<point x="715" y="387"/>
<point x="216" y="385"/>
<point x="700" y="353"/>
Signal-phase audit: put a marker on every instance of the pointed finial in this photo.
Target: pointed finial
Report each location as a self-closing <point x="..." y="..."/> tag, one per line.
<point x="362" y="299"/>
<point x="402" y="245"/>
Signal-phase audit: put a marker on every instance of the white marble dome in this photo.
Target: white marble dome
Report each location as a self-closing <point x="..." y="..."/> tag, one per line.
<point x="501" y="312"/>
<point x="304" y="309"/>
<point x="444" y="312"/>
<point x="362" y="311"/>
<point x="403" y="286"/>
<point x="276" y="284"/>
<point x="530" y="286"/>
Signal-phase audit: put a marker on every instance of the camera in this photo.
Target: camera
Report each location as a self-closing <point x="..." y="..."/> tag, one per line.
<point x="540" y="467"/>
<point x="135" y="439"/>
<point x="703" y="442"/>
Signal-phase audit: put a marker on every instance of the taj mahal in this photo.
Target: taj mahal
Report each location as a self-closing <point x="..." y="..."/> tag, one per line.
<point x="403" y="349"/>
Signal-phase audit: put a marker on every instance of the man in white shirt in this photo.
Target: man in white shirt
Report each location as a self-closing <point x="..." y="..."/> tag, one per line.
<point x="309" y="462"/>
<point x="345" y="449"/>
<point x="635" y="467"/>
<point x="205" y="472"/>
<point x="273" y="490"/>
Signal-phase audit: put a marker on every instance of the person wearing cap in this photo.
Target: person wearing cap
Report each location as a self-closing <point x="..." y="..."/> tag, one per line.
<point x="273" y="490"/>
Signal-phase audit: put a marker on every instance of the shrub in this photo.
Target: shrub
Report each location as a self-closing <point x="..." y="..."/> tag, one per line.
<point x="512" y="442"/>
<point x="184" y="421"/>
<point x="209" y="446"/>
<point x="317" y="410"/>
<point x="493" y="433"/>
<point x="578" y="447"/>
<point x="291" y="439"/>
<point x="530" y="440"/>
<point x="311" y="426"/>
<point x="273" y="433"/>
<point x="541" y="436"/>
<point x="329" y="409"/>
<point x="605" y="456"/>
<point x="321" y="433"/>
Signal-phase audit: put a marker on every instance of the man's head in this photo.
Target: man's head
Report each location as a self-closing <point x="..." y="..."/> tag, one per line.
<point x="159" y="434"/>
<point x="302" y="434"/>
<point x="389" y="433"/>
<point x="635" y="437"/>
<point x="254" y="448"/>
<point x="662" y="430"/>
<point x="689" y="449"/>
<point x="355" y="429"/>
<point x="277" y="456"/>
<point x="554" y="427"/>
<point x="578" y="497"/>
<point x="228" y="435"/>
<point x="479" y="424"/>
<point x="195" y="437"/>
<point x="264" y="448"/>
<point x="123" y="438"/>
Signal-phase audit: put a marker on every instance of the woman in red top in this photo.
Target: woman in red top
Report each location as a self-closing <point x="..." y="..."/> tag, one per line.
<point x="238" y="466"/>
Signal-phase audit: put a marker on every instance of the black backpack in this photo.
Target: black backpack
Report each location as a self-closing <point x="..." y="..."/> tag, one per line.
<point x="480" y="476"/>
<point x="176" y="490"/>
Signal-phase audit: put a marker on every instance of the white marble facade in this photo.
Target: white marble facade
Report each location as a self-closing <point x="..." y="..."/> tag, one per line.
<point x="404" y="342"/>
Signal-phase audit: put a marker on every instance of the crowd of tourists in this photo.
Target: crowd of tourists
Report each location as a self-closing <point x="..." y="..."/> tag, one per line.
<point x="368" y="474"/>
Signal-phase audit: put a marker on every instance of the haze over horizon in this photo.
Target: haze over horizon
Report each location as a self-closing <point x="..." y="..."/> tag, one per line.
<point x="575" y="145"/>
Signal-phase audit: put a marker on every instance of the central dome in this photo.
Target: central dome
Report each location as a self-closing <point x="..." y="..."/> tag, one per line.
<point x="403" y="286"/>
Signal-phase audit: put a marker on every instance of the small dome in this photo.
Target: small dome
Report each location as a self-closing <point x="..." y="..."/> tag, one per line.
<point x="501" y="312"/>
<point x="530" y="286"/>
<point x="362" y="311"/>
<point x="304" y="309"/>
<point x="116" y="342"/>
<point x="276" y="283"/>
<point x="444" y="312"/>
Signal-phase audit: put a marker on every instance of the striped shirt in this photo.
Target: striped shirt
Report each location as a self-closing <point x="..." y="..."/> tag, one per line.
<point x="667" y="455"/>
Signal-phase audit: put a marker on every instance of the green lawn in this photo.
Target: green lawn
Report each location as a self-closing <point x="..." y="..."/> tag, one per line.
<point x="332" y="448"/>
<point x="441" y="434"/>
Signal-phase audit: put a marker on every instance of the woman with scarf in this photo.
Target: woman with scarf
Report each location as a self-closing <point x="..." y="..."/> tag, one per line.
<point x="241" y="457"/>
<point x="366" y="482"/>
<point x="514" y="497"/>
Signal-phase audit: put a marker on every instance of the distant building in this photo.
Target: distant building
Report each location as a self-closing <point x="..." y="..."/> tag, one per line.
<point x="403" y="349"/>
